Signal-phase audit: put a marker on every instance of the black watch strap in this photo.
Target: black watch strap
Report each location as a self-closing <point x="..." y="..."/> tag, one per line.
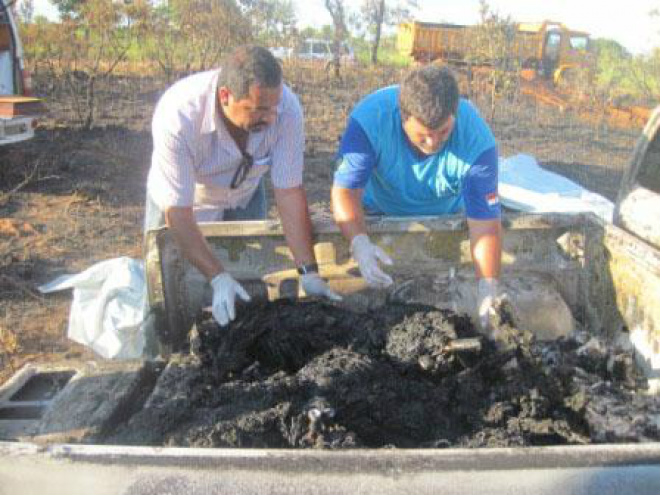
<point x="308" y="268"/>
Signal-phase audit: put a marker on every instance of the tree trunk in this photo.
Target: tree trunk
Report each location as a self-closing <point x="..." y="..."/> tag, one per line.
<point x="380" y="16"/>
<point x="91" y="100"/>
<point x="336" y="10"/>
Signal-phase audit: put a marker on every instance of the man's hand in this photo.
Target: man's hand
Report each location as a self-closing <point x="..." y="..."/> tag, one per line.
<point x="487" y="292"/>
<point x="367" y="256"/>
<point x="225" y="289"/>
<point x="314" y="285"/>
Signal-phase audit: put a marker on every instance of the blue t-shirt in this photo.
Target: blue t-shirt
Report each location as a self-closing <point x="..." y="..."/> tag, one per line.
<point x="375" y="154"/>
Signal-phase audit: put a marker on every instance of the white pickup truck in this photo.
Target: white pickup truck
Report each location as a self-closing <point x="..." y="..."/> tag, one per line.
<point x="17" y="119"/>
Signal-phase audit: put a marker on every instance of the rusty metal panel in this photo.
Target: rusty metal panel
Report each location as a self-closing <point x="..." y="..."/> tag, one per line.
<point x="638" y="203"/>
<point x="621" y="289"/>
<point x="256" y="253"/>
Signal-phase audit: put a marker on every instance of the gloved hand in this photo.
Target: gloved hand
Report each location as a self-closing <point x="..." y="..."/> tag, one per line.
<point x="225" y="289"/>
<point x="487" y="292"/>
<point x="314" y="285"/>
<point x="367" y="256"/>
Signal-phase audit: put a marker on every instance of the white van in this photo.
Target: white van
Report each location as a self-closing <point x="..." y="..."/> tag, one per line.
<point x="14" y="81"/>
<point x="316" y="49"/>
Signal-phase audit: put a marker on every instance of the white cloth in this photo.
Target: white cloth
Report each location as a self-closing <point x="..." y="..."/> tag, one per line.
<point x="108" y="307"/>
<point x="524" y="185"/>
<point x="192" y="146"/>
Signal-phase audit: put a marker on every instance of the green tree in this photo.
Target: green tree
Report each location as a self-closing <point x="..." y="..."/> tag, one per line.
<point x="493" y="43"/>
<point x="645" y="78"/>
<point x="86" y="48"/>
<point x="192" y="35"/>
<point x="613" y="64"/>
<point x="26" y="11"/>
<point x="379" y="13"/>
<point x="325" y="32"/>
<point x="272" y="22"/>
<point x="69" y="7"/>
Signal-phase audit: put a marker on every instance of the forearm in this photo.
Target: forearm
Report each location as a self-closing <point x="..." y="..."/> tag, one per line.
<point x="294" y="215"/>
<point x="486" y="247"/>
<point x="191" y="241"/>
<point x="348" y="212"/>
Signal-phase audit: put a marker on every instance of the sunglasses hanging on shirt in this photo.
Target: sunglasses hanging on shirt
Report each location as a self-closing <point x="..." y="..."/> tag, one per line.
<point x="242" y="171"/>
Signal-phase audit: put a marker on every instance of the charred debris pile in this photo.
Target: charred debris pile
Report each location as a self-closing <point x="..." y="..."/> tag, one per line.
<point x="293" y="374"/>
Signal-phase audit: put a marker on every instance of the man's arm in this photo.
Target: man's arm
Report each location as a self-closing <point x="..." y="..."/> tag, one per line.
<point x="349" y="216"/>
<point x="486" y="247"/>
<point x="294" y="214"/>
<point x="348" y="212"/>
<point x="356" y="161"/>
<point x="483" y="212"/>
<point x="190" y="239"/>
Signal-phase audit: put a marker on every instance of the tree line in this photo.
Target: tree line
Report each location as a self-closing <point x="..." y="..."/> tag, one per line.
<point x="93" y="38"/>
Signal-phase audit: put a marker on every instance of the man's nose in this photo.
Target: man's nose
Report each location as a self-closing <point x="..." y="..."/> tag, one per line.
<point x="433" y="140"/>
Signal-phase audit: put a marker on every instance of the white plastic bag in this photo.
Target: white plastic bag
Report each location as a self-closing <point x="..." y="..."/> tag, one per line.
<point x="108" y="307"/>
<point x="524" y="185"/>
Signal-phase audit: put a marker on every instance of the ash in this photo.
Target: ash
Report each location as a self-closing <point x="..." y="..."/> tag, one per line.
<point x="292" y="374"/>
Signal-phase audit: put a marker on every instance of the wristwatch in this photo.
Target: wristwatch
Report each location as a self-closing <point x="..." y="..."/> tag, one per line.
<point x="308" y="268"/>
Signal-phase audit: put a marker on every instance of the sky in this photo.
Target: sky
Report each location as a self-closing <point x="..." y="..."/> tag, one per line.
<point x="626" y="21"/>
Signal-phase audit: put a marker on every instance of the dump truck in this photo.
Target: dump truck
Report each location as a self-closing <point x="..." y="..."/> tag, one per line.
<point x="549" y="48"/>
<point x="565" y="270"/>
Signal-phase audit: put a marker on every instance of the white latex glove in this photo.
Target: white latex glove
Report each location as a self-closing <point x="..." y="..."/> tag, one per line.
<point x="314" y="285"/>
<point x="225" y="289"/>
<point x="487" y="291"/>
<point x="367" y="256"/>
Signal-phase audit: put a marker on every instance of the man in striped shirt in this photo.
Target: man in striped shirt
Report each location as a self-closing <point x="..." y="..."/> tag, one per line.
<point x="215" y="135"/>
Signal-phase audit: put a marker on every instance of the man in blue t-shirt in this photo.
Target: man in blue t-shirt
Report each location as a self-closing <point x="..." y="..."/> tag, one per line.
<point x="418" y="149"/>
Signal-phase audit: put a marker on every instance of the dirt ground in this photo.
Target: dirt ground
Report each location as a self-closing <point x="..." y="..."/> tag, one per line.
<point x="70" y="198"/>
<point x="309" y="374"/>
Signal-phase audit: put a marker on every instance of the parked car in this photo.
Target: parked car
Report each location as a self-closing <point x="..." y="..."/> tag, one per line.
<point x="17" y="119"/>
<point x="315" y="49"/>
<point x="281" y="52"/>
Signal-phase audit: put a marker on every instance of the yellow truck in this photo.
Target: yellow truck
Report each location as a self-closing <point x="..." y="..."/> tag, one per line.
<point x="549" y="48"/>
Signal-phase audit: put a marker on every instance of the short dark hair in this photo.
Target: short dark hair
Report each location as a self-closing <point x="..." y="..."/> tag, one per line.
<point x="430" y="94"/>
<point x="248" y="65"/>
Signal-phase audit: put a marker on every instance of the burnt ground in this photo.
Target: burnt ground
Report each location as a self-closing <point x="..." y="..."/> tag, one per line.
<point x="313" y="375"/>
<point x="71" y="197"/>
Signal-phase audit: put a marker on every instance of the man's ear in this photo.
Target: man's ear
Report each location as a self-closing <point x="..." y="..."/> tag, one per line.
<point x="223" y="96"/>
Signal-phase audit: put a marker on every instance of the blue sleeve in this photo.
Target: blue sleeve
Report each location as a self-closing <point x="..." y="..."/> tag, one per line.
<point x="480" y="195"/>
<point x="356" y="158"/>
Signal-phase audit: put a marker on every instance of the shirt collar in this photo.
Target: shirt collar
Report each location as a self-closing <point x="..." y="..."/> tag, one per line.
<point x="211" y="120"/>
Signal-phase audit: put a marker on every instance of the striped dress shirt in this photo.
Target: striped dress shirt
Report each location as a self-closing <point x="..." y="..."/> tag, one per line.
<point x="193" y="151"/>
